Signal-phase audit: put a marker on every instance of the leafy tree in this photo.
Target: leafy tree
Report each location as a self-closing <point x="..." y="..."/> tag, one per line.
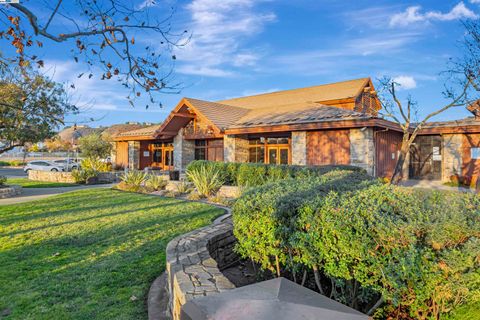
<point x="32" y="107"/>
<point x="93" y="146"/>
<point x="57" y="144"/>
<point x="101" y="34"/>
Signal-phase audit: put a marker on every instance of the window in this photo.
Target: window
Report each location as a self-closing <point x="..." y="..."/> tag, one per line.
<point x="268" y="149"/>
<point x="211" y="149"/>
<point x="200" y="149"/>
<point x="475" y="153"/>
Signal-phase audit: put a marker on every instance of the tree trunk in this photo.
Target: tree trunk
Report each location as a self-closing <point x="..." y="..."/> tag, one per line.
<point x="402" y="164"/>
<point x="317" y="279"/>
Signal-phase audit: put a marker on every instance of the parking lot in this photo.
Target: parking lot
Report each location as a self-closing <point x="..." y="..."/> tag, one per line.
<point x="12" y="172"/>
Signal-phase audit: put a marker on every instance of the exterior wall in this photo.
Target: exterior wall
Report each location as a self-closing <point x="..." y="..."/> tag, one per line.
<point x="49" y="176"/>
<point x="235" y="148"/>
<point x="452" y="155"/>
<point x="362" y="149"/>
<point x="387" y="147"/>
<point x="121" y="154"/>
<point x="134" y="155"/>
<point x="299" y="147"/>
<point x="145" y="160"/>
<point x="328" y="147"/>
<point x="470" y="167"/>
<point x="183" y="151"/>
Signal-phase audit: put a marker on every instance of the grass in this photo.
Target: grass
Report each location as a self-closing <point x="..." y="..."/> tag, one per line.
<point x="89" y="254"/>
<point x="466" y="312"/>
<point x="25" y="183"/>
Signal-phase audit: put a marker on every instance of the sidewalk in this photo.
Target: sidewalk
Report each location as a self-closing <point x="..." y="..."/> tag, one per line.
<point x="32" y="194"/>
<point x="433" y="185"/>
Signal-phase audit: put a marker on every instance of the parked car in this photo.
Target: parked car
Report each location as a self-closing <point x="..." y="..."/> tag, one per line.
<point x="43" y="165"/>
<point x="67" y="164"/>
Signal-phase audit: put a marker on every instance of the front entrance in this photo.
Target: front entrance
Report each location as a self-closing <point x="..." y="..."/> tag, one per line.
<point x="162" y="155"/>
<point x="426" y="158"/>
<point x="277" y="155"/>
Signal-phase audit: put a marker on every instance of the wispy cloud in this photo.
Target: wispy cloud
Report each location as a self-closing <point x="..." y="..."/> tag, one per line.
<point x="220" y="29"/>
<point x="414" y="15"/>
<point x="405" y="82"/>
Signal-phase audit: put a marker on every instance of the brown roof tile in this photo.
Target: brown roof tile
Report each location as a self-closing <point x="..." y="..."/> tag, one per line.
<point x="303" y="96"/>
<point x="221" y="115"/>
<point x="147" y="131"/>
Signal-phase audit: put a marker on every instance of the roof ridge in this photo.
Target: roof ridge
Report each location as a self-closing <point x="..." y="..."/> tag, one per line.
<point x="294" y="89"/>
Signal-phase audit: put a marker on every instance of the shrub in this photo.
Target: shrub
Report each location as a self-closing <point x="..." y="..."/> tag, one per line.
<point x="155" y="182"/>
<point x="183" y="186"/>
<point x="194" y="196"/>
<point x="3" y="180"/>
<point x="95" y="164"/>
<point x="207" y="179"/>
<point x="416" y="250"/>
<point x="256" y="174"/>
<point x="82" y="175"/>
<point x="133" y="180"/>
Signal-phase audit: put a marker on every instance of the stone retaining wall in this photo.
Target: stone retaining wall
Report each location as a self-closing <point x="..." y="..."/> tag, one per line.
<point x="10" y="191"/>
<point x="194" y="261"/>
<point x="51" y="176"/>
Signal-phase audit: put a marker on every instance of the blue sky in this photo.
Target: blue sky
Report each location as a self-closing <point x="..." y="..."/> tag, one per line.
<point x="244" y="47"/>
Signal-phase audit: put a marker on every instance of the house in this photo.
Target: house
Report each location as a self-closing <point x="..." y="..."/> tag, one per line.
<point x="335" y="123"/>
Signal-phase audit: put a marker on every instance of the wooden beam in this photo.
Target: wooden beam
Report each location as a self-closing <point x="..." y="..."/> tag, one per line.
<point x="183" y="114"/>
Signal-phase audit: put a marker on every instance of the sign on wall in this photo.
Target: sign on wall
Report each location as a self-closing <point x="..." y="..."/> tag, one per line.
<point x="475" y="153"/>
<point x="146" y="153"/>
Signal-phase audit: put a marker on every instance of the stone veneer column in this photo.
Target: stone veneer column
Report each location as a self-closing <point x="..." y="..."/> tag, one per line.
<point x="362" y="149"/>
<point x="235" y="148"/>
<point x="183" y="151"/>
<point x="134" y="155"/>
<point x="452" y="155"/>
<point x="299" y="148"/>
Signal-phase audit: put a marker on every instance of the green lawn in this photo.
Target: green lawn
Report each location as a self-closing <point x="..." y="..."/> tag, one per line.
<point x="88" y="254"/>
<point x="25" y="183"/>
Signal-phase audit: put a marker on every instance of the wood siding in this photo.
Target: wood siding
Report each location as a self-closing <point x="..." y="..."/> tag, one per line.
<point x="387" y="145"/>
<point x="121" y="157"/>
<point x="470" y="167"/>
<point x="145" y="161"/>
<point x="328" y="147"/>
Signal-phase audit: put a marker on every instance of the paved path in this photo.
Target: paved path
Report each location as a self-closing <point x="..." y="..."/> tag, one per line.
<point x="31" y="194"/>
<point x="433" y="184"/>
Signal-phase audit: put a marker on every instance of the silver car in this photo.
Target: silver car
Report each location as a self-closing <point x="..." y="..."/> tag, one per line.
<point x="43" y="165"/>
<point x="67" y="164"/>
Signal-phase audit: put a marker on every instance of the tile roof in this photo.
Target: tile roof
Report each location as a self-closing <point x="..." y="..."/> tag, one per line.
<point x="297" y="114"/>
<point x="303" y="96"/>
<point x="147" y="131"/>
<point x="221" y="115"/>
<point x="470" y="121"/>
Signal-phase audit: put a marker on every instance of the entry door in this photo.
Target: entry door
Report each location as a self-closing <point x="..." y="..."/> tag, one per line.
<point x="168" y="156"/>
<point x="277" y="155"/>
<point x="426" y="158"/>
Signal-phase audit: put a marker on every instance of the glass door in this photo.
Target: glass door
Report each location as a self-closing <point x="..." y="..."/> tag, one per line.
<point x="277" y="155"/>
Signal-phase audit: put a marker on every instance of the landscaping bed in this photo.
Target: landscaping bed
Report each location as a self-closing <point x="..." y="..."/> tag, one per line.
<point x="88" y="254"/>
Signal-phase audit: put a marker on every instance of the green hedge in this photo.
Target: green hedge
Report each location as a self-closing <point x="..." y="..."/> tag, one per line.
<point x="11" y="163"/>
<point x="257" y="174"/>
<point x="418" y="251"/>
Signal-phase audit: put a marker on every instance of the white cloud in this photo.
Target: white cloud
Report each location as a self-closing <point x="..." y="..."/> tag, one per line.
<point x="414" y="14"/>
<point x="474" y="1"/>
<point x="220" y="29"/>
<point x="405" y="82"/>
<point x="147" y="4"/>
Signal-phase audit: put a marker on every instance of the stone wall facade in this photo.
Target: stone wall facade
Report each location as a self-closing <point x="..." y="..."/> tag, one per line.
<point x="10" y="191"/>
<point x="235" y="148"/>
<point x="299" y="148"/>
<point x="183" y="151"/>
<point x="194" y="261"/>
<point x="452" y="155"/>
<point x="50" y="176"/>
<point x="362" y="149"/>
<point x="133" y="155"/>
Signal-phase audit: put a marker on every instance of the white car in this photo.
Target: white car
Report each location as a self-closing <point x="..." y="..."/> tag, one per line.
<point x="43" y="165"/>
<point x="67" y="164"/>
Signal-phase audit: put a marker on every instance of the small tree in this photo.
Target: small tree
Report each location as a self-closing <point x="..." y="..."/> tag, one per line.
<point x="93" y="146"/>
<point x="32" y="107"/>
<point x="404" y="114"/>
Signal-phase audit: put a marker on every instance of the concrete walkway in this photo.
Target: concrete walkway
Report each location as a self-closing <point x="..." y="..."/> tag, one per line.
<point x="31" y="194"/>
<point x="433" y="185"/>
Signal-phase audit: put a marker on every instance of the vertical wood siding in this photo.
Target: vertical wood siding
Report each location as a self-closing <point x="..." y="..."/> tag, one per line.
<point x="328" y="147"/>
<point x="145" y="161"/>
<point x="387" y="145"/>
<point x="470" y="167"/>
<point x="121" y="157"/>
